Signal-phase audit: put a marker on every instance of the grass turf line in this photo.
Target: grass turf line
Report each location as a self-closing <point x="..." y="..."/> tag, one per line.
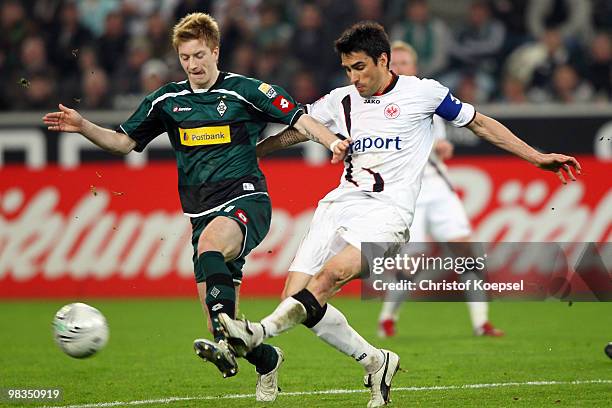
<point x="149" y="355"/>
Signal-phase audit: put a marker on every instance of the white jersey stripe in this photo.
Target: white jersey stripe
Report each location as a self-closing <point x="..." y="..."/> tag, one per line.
<point x="167" y="95"/>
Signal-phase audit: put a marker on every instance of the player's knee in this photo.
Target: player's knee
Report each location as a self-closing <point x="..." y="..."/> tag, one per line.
<point x="211" y="245"/>
<point x="335" y="274"/>
<point x="205" y="245"/>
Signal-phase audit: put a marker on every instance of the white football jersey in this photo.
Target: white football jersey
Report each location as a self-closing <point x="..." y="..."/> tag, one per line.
<point x="391" y="136"/>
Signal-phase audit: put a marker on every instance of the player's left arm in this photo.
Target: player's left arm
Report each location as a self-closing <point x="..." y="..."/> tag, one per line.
<point x="498" y="134"/>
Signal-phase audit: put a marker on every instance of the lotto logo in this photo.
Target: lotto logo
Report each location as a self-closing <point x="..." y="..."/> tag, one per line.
<point x="242" y="215"/>
<point x="217" y="307"/>
<point x="283" y="104"/>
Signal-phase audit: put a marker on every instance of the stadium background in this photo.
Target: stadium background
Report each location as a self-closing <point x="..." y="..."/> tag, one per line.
<point x="79" y="224"/>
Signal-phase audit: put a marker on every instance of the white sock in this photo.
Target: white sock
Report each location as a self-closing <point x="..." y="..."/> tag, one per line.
<point x="334" y="329"/>
<point x="289" y="313"/>
<point x="479" y="313"/>
<point x="391" y="304"/>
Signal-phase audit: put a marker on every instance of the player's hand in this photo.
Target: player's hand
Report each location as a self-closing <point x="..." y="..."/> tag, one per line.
<point x="560" y="164"/>
<point x="66" y="120"/>
<point x="444" y="149"/>
<point x="340" y="150"/>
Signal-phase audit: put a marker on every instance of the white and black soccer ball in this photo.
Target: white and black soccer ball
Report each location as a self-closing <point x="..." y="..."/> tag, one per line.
<point x="608" y="349"/>
<point x="80" y="330"/>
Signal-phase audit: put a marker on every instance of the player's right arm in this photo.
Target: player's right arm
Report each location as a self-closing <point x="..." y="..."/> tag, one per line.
<point x="315" y="131"/>
<point x="283" y="140"/>
<point x="291" y="136"/>
<point x="69" y="120"/>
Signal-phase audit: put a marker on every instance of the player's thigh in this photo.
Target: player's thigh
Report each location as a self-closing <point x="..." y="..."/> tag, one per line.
<point x="234" y="229"/>
<point x="371" y="220"/>
<point x="345" y="265"/>
<point x="222" y="234"/>
<point x="319" y="243"/>
<point x="295" y="282"/>
<point x="447" y="220"/>
<point x="336" y="272"/>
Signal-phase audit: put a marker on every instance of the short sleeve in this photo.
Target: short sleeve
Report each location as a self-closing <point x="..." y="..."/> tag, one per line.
<point x="322" y="110"/>
<point x="447" y="106"/>
<point x="272" y="100"/>
<point x="144" y="125"/>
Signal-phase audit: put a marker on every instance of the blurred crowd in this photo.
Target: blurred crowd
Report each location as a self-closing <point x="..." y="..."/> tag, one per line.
<point x="108" y="54"/>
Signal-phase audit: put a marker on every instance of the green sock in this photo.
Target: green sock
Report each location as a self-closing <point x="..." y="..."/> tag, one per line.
<point x="264" y="357"/>
<point x="220" y="291"/>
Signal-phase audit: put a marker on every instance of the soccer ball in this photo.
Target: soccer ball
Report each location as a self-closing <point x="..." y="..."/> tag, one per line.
<point x="80" y="330"/>
<point x="608" y="349"/>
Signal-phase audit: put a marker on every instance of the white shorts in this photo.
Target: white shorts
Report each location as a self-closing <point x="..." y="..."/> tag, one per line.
<point x="338" y="223"/>
<point x="439" y="213"/>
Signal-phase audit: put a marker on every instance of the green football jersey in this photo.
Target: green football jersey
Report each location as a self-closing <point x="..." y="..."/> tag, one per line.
<point x="213" y="133"/>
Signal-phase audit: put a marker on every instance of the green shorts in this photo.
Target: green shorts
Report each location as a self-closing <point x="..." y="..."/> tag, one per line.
<point x="253" y="213"/>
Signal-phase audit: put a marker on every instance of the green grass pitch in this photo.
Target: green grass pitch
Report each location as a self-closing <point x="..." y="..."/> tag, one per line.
<point x="149" y="357"/>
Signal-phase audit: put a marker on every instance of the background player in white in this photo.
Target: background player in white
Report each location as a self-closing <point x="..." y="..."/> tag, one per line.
<point x="389" y="119"/>
<point x="439" y="212"/>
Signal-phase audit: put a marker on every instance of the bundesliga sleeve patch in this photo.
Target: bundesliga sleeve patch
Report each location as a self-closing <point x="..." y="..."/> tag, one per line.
<point x="283" y="104"/>
<point x="267" y="90"/>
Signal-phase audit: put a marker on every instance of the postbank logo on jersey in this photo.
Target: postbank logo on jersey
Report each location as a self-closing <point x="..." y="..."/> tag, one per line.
<point x="206" y="135"/>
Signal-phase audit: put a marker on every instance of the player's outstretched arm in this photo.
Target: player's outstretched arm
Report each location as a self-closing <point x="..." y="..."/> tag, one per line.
<point x="315" y="131"/>
<point x="283" y="140"/>
<point x="496" y="133"/>
<point x="69" y="120"/>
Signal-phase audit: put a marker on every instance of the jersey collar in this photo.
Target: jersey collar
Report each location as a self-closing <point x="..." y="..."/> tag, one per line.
<point x="391" y="85"/>
<point x="220" y="79"/>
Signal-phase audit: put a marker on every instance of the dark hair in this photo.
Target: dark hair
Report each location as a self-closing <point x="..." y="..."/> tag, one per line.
<point x="366" y="36"/>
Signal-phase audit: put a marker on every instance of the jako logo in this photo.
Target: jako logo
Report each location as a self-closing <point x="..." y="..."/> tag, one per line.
<point x="387" y="143"/>
<point x="180" y="109"/>
<point x="374" y="101"/>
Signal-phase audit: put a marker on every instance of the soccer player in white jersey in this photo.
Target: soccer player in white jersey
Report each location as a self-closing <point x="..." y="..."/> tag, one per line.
<point x="439" y="212"/>
<point x="389" y="120"/>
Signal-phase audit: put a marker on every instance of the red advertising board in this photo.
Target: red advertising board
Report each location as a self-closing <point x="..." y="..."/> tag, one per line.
<point x="110" y="230"/>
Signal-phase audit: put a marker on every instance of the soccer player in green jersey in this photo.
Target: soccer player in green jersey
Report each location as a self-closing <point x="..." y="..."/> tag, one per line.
<point x="213" y="120"/>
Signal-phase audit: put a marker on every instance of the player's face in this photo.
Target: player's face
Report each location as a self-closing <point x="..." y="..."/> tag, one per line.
<point x="199" y="63"/>
<point x="368" y="76"/>
<point x="402" y="62"/>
